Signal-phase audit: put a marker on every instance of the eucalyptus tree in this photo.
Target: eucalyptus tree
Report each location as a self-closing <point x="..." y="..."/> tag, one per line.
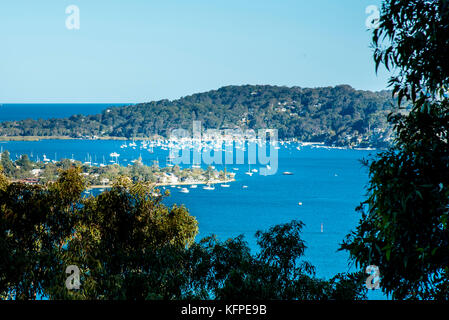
<point x="404" y="225"/>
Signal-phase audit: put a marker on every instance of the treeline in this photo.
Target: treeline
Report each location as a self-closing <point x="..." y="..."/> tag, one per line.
<point x="126" y="244"/>
<point x="337" y="115"/>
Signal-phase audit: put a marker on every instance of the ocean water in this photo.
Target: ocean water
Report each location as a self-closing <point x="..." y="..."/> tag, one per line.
<point x="10" y="112"/>
<point x="329" y="183"/>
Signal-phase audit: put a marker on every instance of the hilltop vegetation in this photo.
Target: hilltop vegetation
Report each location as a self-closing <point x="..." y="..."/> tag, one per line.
<point x="337" y="115"/>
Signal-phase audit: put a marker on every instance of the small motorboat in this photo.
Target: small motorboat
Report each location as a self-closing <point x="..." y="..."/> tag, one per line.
<point x="184" y="190"/>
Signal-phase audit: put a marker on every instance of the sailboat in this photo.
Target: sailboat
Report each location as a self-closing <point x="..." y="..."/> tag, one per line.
<point x="114" y="155"/>
<point x="103" y="163"/>
<point x="169" y="164"/>
<point x="225" y="185"/>
<point x="209" y="186"/>
<point x="195" y="165"/>
<point x="249" y="170"/>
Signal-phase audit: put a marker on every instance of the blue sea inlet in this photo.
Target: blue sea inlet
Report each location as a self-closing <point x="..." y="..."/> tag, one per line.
<point x="323" y="191"/>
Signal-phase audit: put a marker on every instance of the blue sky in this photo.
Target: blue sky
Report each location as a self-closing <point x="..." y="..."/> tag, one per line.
<point x="143" y="50"/>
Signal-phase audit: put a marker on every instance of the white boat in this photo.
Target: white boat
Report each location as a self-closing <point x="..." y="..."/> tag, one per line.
<point x="196" y="165"/>
<point x="209" y="187"/>
<point x="249" y="172"/>
<point x="184" y="190"/>
<point x="225" y="185"/>
<point x="168" y="161"/>
<point x="287" y="173"/>
<point x="114" y="155"/>
<point x="244" y="187"/>
<point x="193" y="186"/>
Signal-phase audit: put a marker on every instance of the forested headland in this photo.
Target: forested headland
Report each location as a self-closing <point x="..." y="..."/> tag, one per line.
<point x="338" y="115"/>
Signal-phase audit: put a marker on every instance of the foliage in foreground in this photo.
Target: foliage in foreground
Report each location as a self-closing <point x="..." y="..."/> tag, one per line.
<point x="129" y="245"/>
<point x="404" y="227"/>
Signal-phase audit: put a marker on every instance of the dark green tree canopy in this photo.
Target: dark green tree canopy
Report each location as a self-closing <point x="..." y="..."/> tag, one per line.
<point x="404" y="225"/>
<point x="412" y="41"/>
<point x="128" y="245"/>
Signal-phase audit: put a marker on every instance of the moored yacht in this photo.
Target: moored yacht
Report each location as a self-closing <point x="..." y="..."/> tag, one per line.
<point x="184" y="190"/>
<point x="249" y="172"/>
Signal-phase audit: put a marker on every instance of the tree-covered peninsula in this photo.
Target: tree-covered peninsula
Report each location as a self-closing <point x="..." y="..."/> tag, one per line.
<point x="31" y="172"/>
<point x="337" y="115"/>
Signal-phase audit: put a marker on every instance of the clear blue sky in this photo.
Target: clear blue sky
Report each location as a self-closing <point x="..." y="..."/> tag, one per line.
<point x="143" y="50"/>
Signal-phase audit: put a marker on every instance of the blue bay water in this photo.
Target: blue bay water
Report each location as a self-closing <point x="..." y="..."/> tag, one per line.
<point x="330" y="183"/>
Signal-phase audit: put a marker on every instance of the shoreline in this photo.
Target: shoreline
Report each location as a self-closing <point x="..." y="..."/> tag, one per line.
<point x="320" y="144"/>
<point x="38" y="138"/>
<point x="168" y="184"/>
